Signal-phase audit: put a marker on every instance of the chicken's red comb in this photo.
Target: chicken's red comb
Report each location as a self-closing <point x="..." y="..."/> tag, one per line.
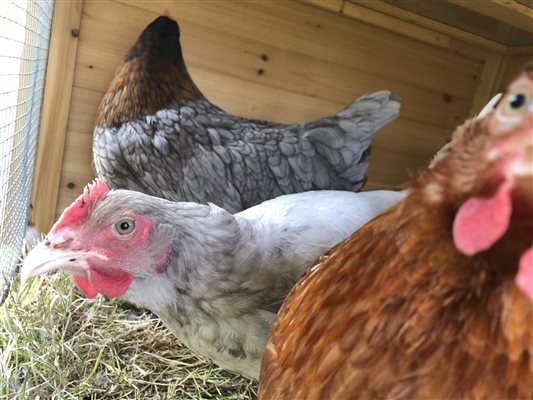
<point x="166" y="13"/>
<point x="78" y="212"/>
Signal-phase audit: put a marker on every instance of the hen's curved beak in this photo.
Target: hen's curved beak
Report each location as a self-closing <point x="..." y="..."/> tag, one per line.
<point x="45" y="258"/>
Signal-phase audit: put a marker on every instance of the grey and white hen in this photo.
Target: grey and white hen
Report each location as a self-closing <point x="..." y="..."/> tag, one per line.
<point x="215" y="279"/>
<point x="156" y="133"/>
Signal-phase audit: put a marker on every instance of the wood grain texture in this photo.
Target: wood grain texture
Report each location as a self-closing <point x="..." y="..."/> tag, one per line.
<point x="487" y="88"/>
<point x="393" y="17"/>
<point x="55" y="112"/>
<point x="283" y="61"/>
<point x="512" y="12"/>
<point x="456" y="20"/>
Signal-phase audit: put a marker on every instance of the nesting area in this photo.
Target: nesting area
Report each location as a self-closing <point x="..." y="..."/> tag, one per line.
<point x="282" y="200"/>
<point x="56" y="344"/>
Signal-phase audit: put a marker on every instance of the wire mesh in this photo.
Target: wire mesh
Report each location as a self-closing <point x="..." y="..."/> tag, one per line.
<point x="24" y="37"/>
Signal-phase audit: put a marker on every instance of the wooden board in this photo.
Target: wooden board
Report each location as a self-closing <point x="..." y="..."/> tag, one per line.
<point x="55" y="112"/>
<point x="284" y="61"/>
<point x="482" y="19"/>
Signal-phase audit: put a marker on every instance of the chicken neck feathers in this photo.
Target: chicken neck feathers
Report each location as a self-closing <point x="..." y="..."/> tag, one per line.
<point x="428" y="305"/>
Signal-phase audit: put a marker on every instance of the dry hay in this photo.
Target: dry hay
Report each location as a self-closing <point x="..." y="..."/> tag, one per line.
<point x="55" y="344"/>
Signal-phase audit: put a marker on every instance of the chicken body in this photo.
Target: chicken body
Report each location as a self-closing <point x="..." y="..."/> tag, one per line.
<point x="215" y="279"/>
<point x="156" y="133"/>
<point x="434" y="297"/>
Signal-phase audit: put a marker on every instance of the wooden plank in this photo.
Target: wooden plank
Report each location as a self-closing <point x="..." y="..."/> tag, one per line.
<point x="287" y="68"/>
<point x="462" y="19"/>
<point x="487" y="84"/>
<point x="330" y="5"/>
<point x="364" y="11"/>
<point x="386" y="173"/>
<point x="335" y="86"/>
<point x="520" y="50"/>
<point x="512" y="67"/>
<point x="417" y="20"/>
<point x="508" y="11"/>
<point x="56" y="104"/>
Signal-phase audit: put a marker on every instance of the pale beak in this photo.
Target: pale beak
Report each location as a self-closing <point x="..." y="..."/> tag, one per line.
<point x="45" y="258"/>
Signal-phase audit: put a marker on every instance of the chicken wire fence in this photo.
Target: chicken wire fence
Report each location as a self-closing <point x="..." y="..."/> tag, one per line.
<point x="24" y="36"/>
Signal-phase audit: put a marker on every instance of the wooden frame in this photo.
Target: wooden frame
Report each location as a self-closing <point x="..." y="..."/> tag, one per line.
<point x="56" y="106"/>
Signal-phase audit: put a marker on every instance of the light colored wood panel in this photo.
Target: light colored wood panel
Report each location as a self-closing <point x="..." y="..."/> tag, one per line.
<point x="56" y="104"/>
<point x="487" y="85"/>
<point x="77" y="169"/>
<point x="311" y="31"/>
<point x="330" y="5"/>
<point x="83" y="110"/>
<point x="68" y="195"/>
<point x="315" y="79"/>
<point x="286" y="70"/>
<point x="412" y="138"/>
<point x="78" y="154"/>
<point x="512" y="67"/>
<point x="255" y="100"/>
<point x="468" y="50"/>
<point x="386" y="172"/>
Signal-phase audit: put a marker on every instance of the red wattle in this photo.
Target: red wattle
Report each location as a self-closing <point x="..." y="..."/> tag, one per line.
<point x="109" y="282"/>
<point x="84" y="285"/>
<point x="481" y="221"/>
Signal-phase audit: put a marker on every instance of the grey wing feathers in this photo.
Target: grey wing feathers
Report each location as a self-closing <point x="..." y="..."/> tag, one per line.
<point x="194" y="151"/>
<point x="343" y="140"/>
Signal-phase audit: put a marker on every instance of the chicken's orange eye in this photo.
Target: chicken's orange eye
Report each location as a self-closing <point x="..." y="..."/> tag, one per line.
<point x="125" y="226"/>
<point x="517" y="103"/>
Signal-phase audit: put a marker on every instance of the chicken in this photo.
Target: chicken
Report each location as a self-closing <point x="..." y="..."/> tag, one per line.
<point x="156" y="133"/>
<point x="433" y="299"/>
<point x="484" y="111"/>
<point x="215" y="279"/>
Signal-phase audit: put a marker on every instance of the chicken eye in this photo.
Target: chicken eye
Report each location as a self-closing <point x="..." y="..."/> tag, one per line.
<point x="125" y="226"/>
<point x="517" y="103"/>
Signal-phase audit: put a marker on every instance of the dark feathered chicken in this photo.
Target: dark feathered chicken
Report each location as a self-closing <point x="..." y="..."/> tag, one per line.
<point x="433" y="299"/>
<point x="156" y="133"/>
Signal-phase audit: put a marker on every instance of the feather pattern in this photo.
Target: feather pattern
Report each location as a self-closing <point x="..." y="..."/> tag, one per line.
<point x="229" y="274"/>
<point x="215" y="279"/>
<point x="156" y="133"/>
<point x="399" y="310"/>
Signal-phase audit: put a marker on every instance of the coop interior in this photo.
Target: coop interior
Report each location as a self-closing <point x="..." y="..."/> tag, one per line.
<point x="282" y="61"/>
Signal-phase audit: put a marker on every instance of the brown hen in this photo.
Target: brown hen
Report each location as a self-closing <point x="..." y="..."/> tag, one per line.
<point x="434" y="298"/>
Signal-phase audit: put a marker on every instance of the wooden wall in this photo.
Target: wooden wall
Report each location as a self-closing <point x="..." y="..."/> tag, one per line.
<point x="285" y="61"/>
